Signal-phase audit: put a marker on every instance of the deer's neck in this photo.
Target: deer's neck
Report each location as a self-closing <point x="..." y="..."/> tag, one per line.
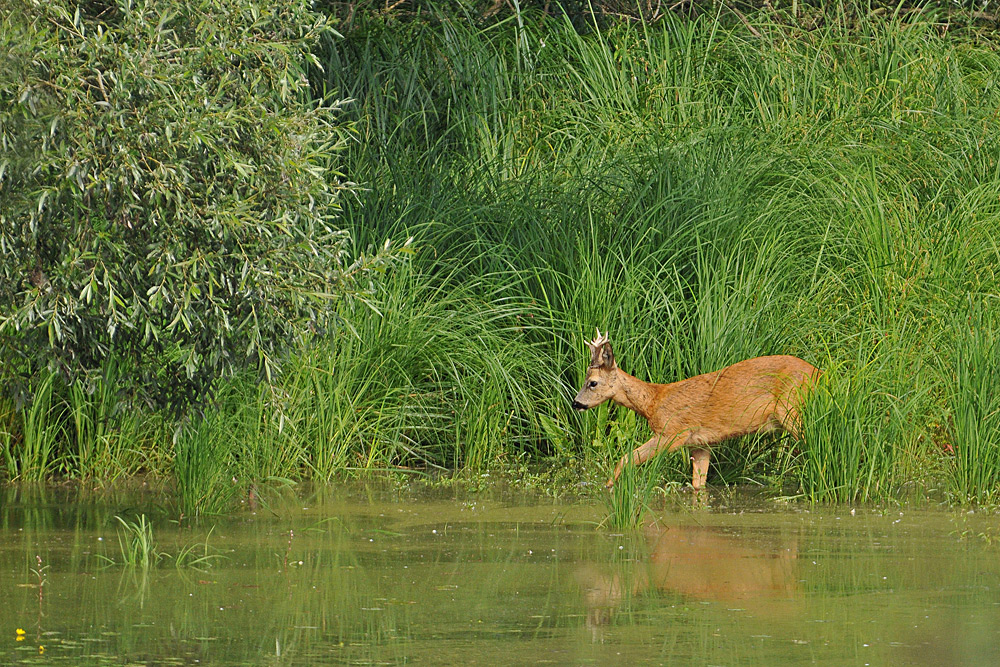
<point x="635" y="394"/>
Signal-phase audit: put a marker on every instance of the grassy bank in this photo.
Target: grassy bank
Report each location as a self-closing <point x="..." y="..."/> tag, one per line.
<point x="704" y="194"/>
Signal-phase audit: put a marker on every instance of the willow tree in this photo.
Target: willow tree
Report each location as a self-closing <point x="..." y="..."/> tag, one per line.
<point x="168" y="190"/>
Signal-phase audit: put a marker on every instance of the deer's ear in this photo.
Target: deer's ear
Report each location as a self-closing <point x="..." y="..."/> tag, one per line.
<point x="595" y="355"/>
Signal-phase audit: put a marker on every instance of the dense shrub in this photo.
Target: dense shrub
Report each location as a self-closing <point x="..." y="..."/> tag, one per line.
<point x="168" y="191"/>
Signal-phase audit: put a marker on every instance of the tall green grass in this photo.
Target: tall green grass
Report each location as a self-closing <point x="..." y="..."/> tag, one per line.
<point x="433" y="374"/>
<point x="702" y="194"/>
<point x="34" y="458"/>
<point x="974" y="406"/>
<point x="108" y="438"/>
<point x="202" y="469"/>
<point x="706" y="196"/>
<point x="858" y="431"/>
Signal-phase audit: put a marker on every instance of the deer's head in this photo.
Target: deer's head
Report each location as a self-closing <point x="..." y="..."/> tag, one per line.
<point x="602" y="375"/>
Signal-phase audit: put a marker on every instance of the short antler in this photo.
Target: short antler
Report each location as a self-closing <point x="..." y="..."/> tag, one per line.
<point x="600" y="340"/>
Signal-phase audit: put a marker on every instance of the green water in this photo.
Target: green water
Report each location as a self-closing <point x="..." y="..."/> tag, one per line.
<point x="366" y="576"/>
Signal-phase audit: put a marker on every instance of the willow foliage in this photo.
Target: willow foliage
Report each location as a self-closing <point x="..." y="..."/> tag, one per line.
<point x="168" y="189"/>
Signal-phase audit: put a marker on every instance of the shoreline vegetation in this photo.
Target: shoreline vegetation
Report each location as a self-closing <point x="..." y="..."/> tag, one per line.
<point x="430" y="210"/>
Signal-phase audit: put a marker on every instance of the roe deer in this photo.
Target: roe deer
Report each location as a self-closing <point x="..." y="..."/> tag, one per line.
<point x="751" y="396"/>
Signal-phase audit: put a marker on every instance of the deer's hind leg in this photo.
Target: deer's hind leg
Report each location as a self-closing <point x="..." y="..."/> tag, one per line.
<point x="646" y="451"/>
<point x="790" y="420"/>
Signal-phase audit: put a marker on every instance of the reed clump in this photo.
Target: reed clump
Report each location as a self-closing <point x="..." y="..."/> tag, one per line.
<point x="974" y="405"/>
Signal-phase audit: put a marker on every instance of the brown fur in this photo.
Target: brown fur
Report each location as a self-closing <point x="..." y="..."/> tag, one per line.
<point x="751" y="396"/>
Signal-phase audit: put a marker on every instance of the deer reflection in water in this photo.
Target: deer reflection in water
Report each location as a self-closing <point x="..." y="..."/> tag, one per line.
<point x="697" y="563"/>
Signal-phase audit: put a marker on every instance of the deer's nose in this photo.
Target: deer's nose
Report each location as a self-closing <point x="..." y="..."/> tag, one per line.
<point x="577" y="405"/>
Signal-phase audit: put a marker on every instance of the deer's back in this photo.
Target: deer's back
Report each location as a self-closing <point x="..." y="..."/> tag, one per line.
<point x="737" y="399"/>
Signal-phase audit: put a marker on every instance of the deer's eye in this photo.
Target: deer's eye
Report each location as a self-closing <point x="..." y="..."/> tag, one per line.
<point x="592" y="384"/>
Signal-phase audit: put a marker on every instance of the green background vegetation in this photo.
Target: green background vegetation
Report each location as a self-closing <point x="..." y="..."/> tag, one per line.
<point x="707" y="186"/>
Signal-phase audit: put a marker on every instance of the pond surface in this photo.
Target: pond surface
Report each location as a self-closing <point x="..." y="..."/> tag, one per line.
<point x="372" y="576"/>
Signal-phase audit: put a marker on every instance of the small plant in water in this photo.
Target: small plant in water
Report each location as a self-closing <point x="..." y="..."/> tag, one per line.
<point x="135" y="538"/>
<point x="629" y="499"/>
<point x="189" y="557"/>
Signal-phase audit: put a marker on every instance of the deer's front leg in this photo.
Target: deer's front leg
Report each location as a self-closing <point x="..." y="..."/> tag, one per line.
<point x="699" y="460"/>
<point x="643" y="453"/>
